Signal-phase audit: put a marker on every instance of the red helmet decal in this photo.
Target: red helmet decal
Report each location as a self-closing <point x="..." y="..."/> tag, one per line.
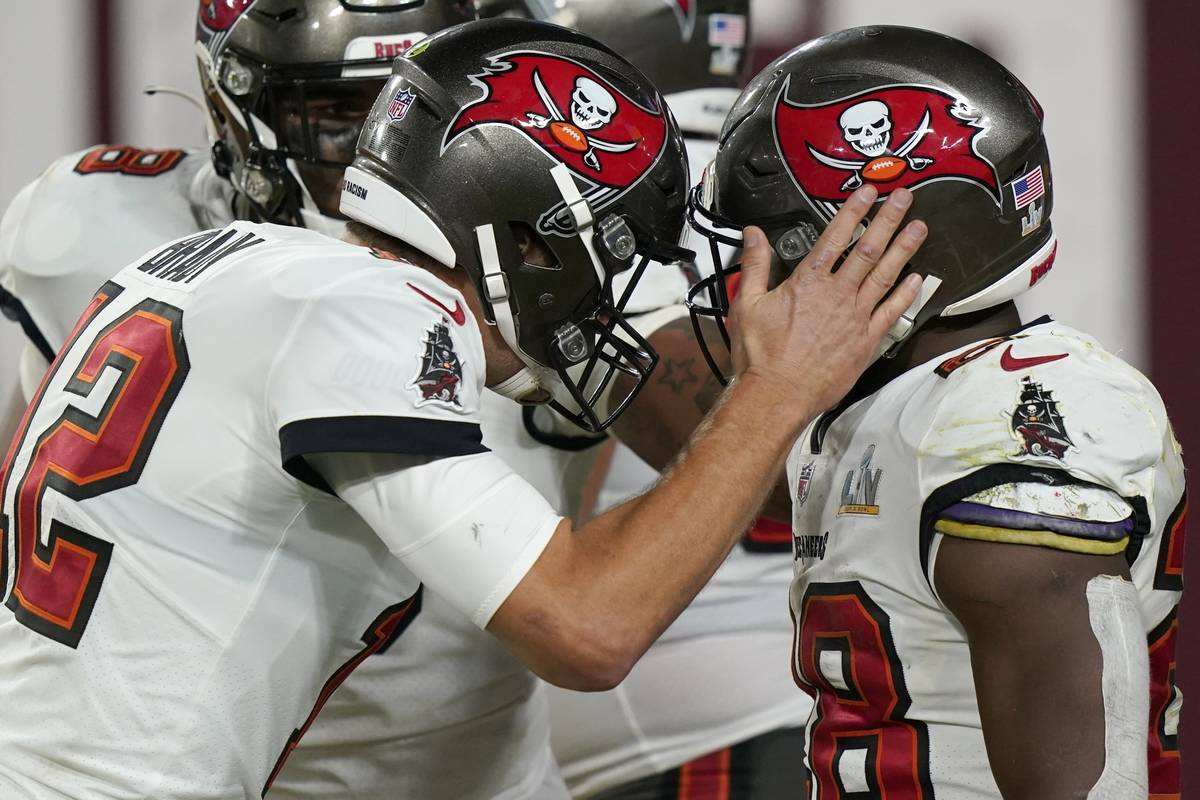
<point x="575" y="116"/>
<point x="894" y="137"/>
<point x="219" y="15"/>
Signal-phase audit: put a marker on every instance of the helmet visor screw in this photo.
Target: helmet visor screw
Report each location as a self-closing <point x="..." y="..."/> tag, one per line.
<point x="237" y="78"/>
<point x="617" y="237"/>
<point x="571" y="343"/>
<point x="257" y="187"/>
<point x="792" y="245"/>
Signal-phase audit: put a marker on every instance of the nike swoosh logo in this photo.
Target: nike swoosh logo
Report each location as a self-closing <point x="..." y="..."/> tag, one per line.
<point x="458" y="315"/>
<point x="1010" y="363"/>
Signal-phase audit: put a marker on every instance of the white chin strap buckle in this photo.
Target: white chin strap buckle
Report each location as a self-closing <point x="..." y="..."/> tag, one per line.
<point x="523" y="388"/>
<point x="902" y="327"/>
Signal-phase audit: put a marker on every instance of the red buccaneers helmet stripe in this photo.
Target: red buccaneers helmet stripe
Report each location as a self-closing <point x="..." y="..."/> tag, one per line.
<point x="572" y="113"/>
<point x="685" y="12"/>
<point x="893" y="136"/>
<point x="219" y="15"/>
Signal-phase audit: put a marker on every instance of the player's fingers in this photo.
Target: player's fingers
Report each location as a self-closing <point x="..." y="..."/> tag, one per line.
<point x="870" y="247"/>
<point x="887" y="312"/>
<point x="880" y="279"/>
<point x="756" y="264"/>
<point x="840" y="232"/>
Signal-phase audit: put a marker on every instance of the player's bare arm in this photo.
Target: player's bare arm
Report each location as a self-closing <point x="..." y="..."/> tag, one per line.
<point x="599" y="595"/>
<point x="1038" y="664"/>
<point x="683" y="389"/>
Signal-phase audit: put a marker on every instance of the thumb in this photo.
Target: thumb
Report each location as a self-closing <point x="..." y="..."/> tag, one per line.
<point x="756" y="263"/>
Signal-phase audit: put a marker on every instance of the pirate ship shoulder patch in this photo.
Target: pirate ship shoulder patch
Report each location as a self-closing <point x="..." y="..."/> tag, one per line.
<point x="1037" y="423"/>
<point x="439" y="378"/>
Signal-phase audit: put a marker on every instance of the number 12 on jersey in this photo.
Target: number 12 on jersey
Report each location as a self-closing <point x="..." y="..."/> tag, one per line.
<point x="58" y="569"/>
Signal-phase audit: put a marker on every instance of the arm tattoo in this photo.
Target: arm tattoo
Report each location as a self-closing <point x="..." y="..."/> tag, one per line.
<point x="677" y="373"/>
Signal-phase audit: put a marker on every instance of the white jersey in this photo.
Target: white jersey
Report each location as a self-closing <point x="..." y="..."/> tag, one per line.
<point x="62" y="238"/>
<point x="183" y="591"/>
<point x="1040" y="438"/>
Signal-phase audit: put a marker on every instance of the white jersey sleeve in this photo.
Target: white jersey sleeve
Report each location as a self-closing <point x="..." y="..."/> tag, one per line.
<point x="1044" y="439"/>
<point x="468" y="527"/>
<point x="385" y="361"/>
<point x="385" y="369"/>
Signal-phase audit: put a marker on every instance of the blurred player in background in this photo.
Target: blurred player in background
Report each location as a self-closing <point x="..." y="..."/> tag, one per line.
<point x="287" y="87"/>
<point x="989" y="529"/>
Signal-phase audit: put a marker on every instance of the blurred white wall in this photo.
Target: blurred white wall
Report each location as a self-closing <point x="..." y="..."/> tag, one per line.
<point x="45" y="108"/>
<point x="1082" y="60"/>
<point x="45" y="92"/>
<point x="154" y="46"/>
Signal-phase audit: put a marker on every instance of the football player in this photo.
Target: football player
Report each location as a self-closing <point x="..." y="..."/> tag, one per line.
<point x="258" y="443"/>
<point x="713" y="696"/>
<point x="284" y="78"/>
<point x="286" y="101"/>
<point x="988" y="531"/>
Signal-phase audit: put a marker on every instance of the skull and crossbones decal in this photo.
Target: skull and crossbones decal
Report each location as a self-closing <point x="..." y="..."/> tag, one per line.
<point x="867" y="127"/>
<point x="592" y="107"/>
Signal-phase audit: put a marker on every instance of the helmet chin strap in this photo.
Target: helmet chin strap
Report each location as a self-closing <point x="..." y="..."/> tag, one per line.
<point x="310" y="212"/>
<point x="533" y="377"/>
<point x="520" y="387"/>
<point x="1014" y="283"/>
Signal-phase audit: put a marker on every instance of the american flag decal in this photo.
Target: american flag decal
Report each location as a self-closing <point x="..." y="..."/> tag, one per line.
<point x="726" y="30"/>
<point x="1028" y="187"/>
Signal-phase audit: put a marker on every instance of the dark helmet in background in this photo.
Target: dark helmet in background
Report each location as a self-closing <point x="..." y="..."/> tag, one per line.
<point x="695" y="51"/>
<point x="288" y="83"/>
<point x="507" y="130"/>
<point x="894" y="107"/>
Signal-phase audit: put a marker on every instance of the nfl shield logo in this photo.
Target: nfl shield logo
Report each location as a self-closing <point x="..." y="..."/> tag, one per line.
<point x="401" y="103"/>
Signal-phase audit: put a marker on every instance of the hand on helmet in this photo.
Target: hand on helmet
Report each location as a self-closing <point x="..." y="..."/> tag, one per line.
<point x="816" y="332"/>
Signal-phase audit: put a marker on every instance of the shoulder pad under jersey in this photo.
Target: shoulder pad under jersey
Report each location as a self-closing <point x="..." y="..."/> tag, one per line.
<point x="1047" y="405"/>
<point x="88" y="215"/>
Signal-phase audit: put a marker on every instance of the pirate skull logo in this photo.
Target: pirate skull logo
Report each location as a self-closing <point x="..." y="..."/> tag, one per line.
<point x="592" y="107"/>
<point x="898" y="136"/>
<point x="609" y="139"/>
<point x="867" y="127"/>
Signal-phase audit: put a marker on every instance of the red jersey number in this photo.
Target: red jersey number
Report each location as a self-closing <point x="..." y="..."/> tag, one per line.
<point x="1164" y="695"/>
<point x="56" y="582"/>
<point x="127" y="160"/>
<point x="861" y="743"/>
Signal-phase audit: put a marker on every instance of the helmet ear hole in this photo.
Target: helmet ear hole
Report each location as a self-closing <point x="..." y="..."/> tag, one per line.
<point x="535" y="252"/>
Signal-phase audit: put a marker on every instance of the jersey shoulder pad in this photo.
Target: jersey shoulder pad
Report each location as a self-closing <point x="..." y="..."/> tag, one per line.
<point x="82" y="194"/>
<point x="377" y="320"/>
<point x="1048" y="404"/>
<point x="89" y="214"/>
<point x="381" y="355"/>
